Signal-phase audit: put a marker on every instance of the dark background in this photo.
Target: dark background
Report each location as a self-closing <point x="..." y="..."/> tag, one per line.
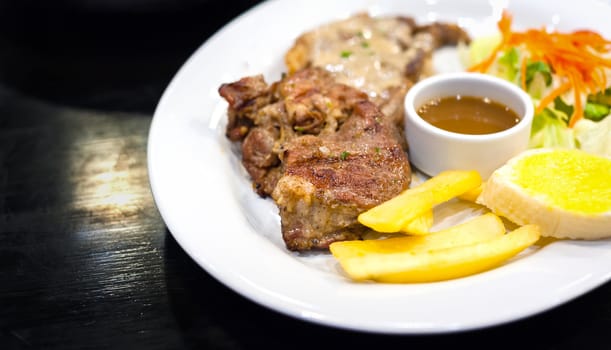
<point x="85" y="259"/>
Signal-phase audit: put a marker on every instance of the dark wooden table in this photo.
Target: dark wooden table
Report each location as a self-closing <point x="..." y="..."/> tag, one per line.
<point x="85" y="258"/>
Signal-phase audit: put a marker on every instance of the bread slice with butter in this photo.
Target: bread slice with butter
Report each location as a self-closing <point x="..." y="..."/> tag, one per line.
<point x="567" y="193"/>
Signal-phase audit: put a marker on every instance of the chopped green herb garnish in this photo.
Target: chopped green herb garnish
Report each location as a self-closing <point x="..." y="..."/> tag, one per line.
<point x="346" y="54"/>
<point x="344" y="155"/>
<point x="365" y="44"/>
<point x="298" y="128"/>
<point x="377" y="149"/>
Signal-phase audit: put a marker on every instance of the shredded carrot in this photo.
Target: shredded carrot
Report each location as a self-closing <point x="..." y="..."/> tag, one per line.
<point x="504" y="26"/>
<point x="549" y="98"/>
<point x="576" y="58"/>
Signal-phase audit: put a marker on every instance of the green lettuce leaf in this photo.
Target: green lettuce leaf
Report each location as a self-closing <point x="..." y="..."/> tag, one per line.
<point x="549" y="130"/>
<point x="594" y="137"/>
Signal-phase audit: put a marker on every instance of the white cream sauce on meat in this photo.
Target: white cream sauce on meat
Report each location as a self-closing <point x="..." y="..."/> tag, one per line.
<point x="370" y="55"/>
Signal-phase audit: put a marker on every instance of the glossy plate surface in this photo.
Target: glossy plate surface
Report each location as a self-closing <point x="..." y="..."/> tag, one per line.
<point x="207" y="202"/>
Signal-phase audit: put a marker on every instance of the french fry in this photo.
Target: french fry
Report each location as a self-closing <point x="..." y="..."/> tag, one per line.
<point x="394" y="214"/>
<point x="443" y="264"/>
<point x="478" y="229"/>
<point x="421" y="225"/>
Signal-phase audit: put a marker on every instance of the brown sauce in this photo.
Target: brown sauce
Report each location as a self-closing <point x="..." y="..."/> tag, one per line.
<point x="468" y="115"/>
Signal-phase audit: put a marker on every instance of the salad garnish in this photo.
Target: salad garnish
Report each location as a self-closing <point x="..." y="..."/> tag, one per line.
<point x="566" y="75"/>
<point x="576" y="58"/>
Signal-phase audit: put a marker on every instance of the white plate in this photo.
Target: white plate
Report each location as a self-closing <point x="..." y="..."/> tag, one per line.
<point x="207" y="202"/>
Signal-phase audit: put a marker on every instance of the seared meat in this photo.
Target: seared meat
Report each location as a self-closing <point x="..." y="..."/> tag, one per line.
<point x="266" y="117"/>
<point x="321" y="149"/>
<point x="245" y="97"/>
<point x="329" y="180"/>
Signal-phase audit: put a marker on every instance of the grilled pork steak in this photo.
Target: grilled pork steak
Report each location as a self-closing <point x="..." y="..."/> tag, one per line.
<point x="320" y="148"/>
<point x="329" y="180"/>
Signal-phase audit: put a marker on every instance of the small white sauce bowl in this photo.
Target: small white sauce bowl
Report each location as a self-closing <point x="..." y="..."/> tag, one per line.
<point x="432" y="150"/>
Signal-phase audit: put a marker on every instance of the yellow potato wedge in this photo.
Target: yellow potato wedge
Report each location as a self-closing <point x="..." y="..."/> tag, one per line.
<point x="439" y="265"/>
<point x="472" y="195"/>
<point x="451" y="183"/>
<point x="478" y="229"/>
<point x="421" y="225"/>
<point x="394" y="214"/>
